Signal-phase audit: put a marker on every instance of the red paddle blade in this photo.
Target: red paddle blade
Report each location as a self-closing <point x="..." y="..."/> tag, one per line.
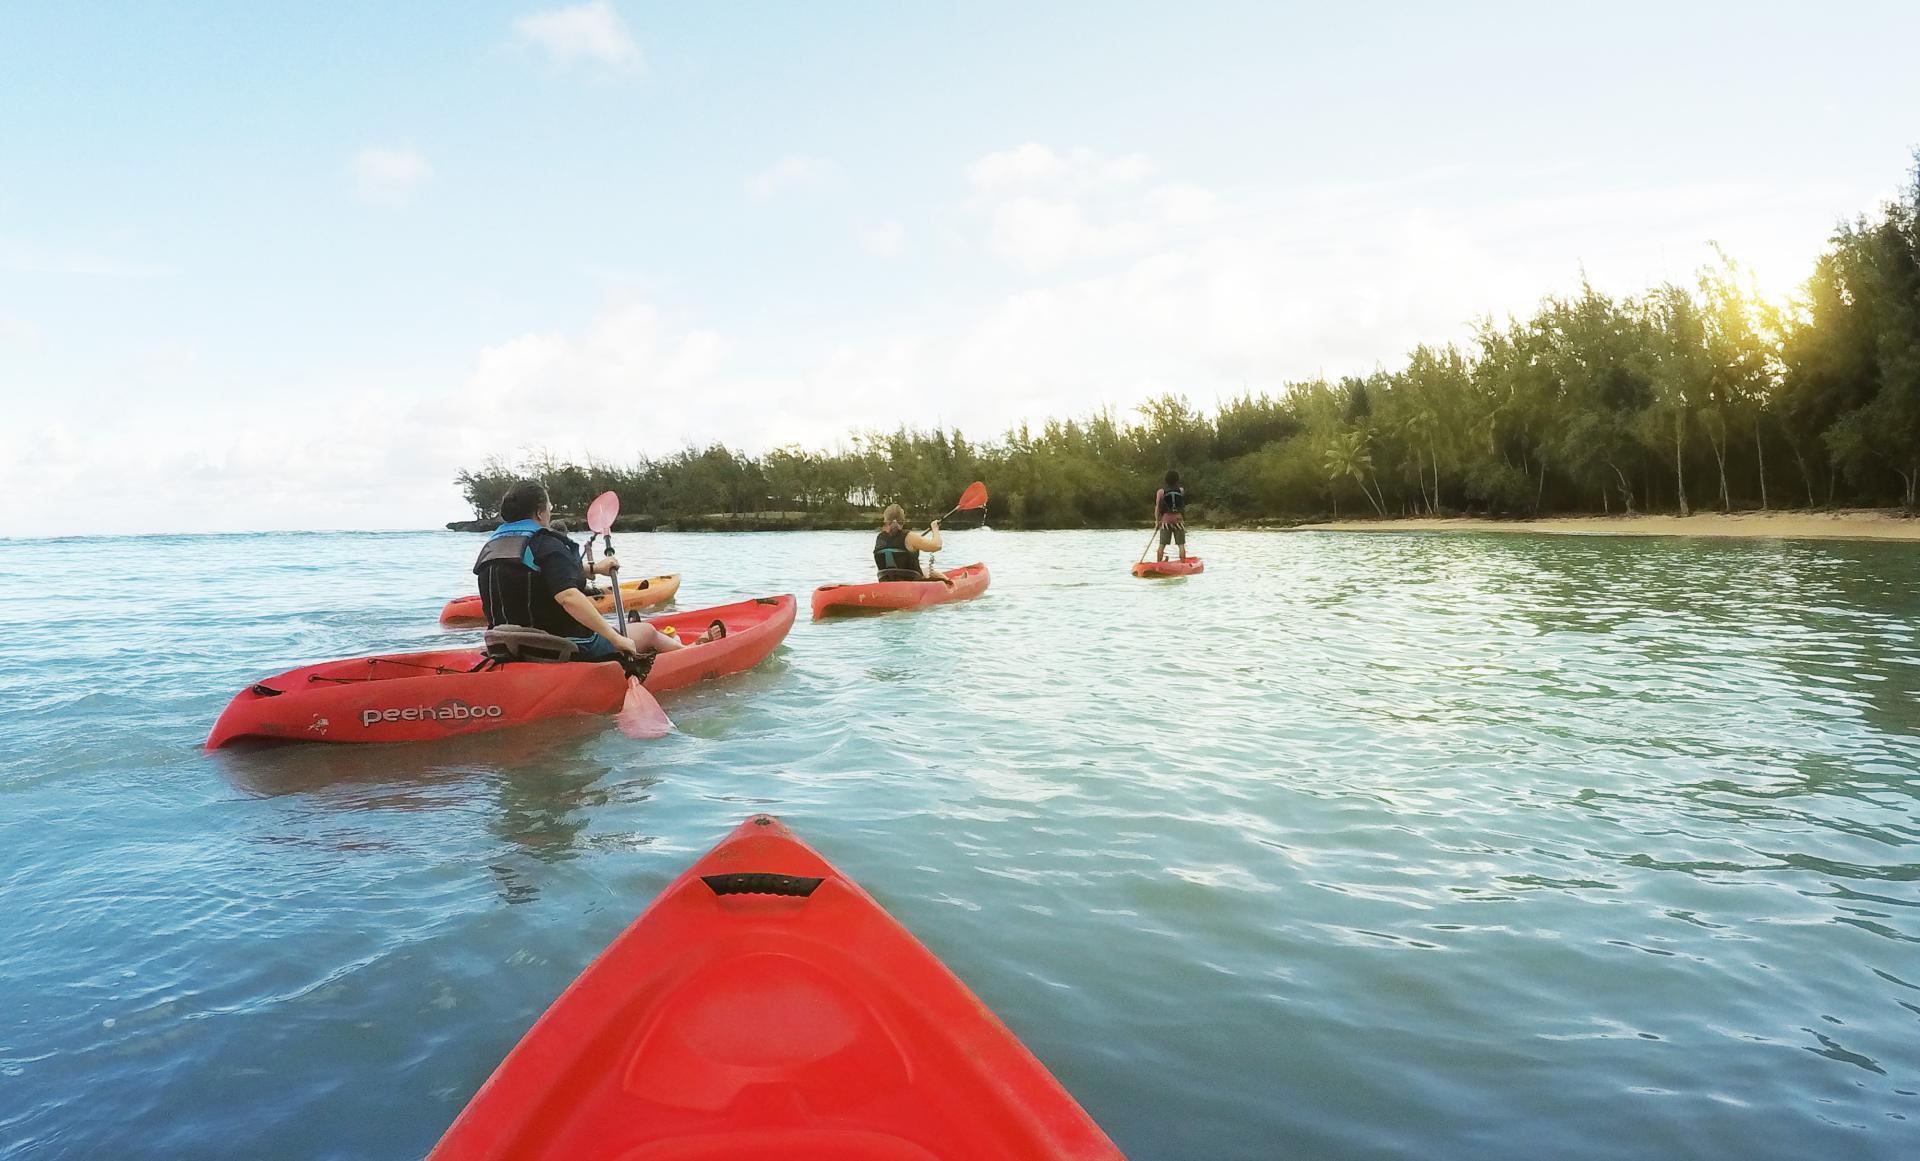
<point x="974" y="497"/>
<point x="641" y="717"/>
<point x="601" y="512"/>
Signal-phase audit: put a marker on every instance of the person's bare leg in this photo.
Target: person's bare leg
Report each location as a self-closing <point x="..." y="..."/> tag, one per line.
<point x="648" y="637"/>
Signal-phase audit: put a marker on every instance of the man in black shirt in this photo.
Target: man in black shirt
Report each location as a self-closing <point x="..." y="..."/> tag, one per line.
<point x="530" y="574"/>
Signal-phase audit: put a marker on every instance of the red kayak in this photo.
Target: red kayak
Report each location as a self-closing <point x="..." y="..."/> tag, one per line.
<point x="885" y="596"/>
<point x="411" y="697"/>
<point x="464" y="612"/>
<point x="766" y="1007"/>
<point x="1186" y="567"/>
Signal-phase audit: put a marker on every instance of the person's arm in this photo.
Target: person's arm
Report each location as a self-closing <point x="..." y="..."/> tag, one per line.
<point x="1157" y="494"/>
<point x="581" y="609"/>
<point x="927" y="543"/>
<point x="565" y="579"/>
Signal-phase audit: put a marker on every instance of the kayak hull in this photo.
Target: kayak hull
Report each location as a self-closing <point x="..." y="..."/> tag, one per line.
<point x="645" y="593"/>
<point x="1162" y="568"/>
<point x="412" y="697"/>
<point x="765" y="1006"/>
<point x="887" y="596"/>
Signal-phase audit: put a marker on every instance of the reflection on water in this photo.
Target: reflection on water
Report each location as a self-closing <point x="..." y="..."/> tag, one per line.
<point x="538" y="787"/>
<point x="1353" y="846"/>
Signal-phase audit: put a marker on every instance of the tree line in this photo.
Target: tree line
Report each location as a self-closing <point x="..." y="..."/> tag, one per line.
<point x="1686" y="397"/>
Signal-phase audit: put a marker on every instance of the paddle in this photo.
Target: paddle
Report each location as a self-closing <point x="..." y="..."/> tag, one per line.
<point x="640" y="715"/>
<point x="974" y="497"/>
<point x="1151" y="537"/>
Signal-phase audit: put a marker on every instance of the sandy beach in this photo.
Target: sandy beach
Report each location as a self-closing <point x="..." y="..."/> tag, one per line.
<point x="1854" y="524"/>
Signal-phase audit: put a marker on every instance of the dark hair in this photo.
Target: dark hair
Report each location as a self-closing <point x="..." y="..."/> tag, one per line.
<point x="1173" y="479"/>
<point x="523" y="499"/>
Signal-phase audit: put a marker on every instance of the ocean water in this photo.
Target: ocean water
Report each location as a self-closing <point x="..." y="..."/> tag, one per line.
<point x="1355" y="846"/>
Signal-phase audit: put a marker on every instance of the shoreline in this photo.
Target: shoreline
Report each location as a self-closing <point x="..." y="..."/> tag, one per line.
<point x="1843" y="524"/>
<point x="1840" y="524"/>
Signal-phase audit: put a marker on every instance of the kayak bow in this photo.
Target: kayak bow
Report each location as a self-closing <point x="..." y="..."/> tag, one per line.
<point x="765" y="1006"/>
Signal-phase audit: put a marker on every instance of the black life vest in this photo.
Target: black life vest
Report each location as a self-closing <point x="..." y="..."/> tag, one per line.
<point x="511" y="591"/>
<point x="1173" y="501"/>
<point x="892" y="556"/>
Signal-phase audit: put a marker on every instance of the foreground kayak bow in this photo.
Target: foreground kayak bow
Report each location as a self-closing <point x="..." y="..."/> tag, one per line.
<point x="766" y="1007"/>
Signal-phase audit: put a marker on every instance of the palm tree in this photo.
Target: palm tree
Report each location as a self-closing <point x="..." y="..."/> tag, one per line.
<point x="1347" y="455"/>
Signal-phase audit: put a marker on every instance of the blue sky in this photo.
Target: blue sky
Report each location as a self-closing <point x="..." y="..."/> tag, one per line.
<point x="282" y="268"/>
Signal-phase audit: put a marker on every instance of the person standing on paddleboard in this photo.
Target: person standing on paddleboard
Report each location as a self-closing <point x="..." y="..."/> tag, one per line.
<point x="896" y="551"/>
<point x="531" y="575"/>
<point x="1168" y="505"/>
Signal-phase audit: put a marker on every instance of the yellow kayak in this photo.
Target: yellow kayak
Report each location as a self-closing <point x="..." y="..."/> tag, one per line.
<point x="638" y="594"/>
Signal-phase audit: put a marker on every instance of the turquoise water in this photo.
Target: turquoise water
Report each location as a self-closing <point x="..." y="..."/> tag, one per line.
<point x="1356" y="846"/>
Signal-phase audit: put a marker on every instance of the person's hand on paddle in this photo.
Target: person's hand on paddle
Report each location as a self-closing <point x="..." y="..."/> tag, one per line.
<point x="607" y="565"/>
<point x="624" y="644"/>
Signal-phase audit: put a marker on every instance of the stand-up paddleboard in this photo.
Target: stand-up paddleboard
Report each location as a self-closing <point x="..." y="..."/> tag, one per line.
<point x="1153" y="568"/>
<point x="766" y="1007"/>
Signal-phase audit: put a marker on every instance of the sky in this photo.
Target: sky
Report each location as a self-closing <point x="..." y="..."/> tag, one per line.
<point x="277" y="267"/>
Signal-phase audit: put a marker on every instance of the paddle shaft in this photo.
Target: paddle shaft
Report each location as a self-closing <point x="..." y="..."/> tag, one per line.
<point x="613" y="578"/>
<point x="1151" y="537"/>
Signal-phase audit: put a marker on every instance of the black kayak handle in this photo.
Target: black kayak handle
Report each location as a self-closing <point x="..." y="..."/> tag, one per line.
<point x="760" y="883"/>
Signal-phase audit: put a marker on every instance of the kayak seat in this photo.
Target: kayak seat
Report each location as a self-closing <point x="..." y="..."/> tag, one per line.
<point x="519" y="643"/>
<point x="900" y="574"/>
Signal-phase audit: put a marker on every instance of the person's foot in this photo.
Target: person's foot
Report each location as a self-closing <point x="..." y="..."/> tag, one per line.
<point x="714" y="632"/>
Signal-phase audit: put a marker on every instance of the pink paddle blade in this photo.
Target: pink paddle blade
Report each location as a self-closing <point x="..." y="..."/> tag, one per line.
<point x="601" y="513"/>
<point x="641" y="717"/>
<point x="974" y="497"/>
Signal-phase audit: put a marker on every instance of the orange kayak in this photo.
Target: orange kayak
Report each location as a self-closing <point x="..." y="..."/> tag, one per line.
<point x="766" y="1007"/>
<point x="1151" y="568"/>
<point x="886" y="596"/>
<point x="412" y="697"/>
<point x="638" y="594"/>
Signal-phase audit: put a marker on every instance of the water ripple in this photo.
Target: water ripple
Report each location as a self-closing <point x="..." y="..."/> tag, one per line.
<point x="1353" y="846"/>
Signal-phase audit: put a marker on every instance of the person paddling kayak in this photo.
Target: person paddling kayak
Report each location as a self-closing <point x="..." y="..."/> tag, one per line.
<point x="896" y="551"/>
<point x="1168" y="505"/>
<point x="530" y="574"/>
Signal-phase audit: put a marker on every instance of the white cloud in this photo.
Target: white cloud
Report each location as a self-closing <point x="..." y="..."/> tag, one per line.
<point x="1199" y="290"/>
<point x="1045" y="209"/>
<point x="388" y="176"/>
<point x="368" y="456"/>
<point x="886" y="240"/>
<point x="789" y="173"/>
<point x="585" y="32"/>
